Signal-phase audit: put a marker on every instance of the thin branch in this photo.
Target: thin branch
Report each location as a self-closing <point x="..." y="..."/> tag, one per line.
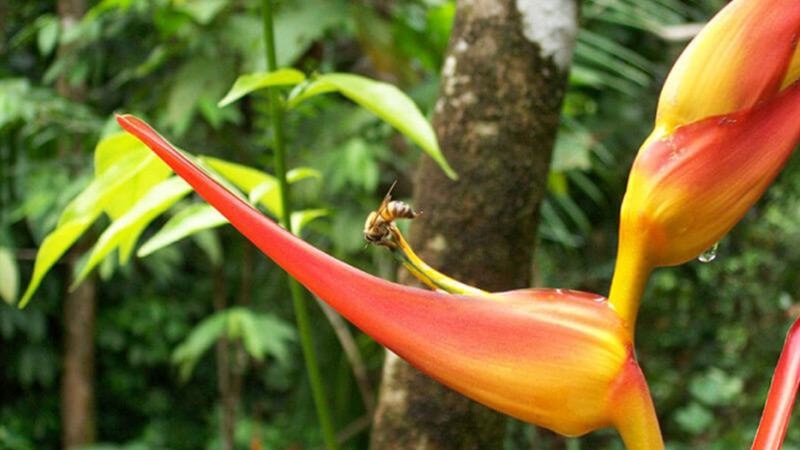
<point x="348" y="343"/>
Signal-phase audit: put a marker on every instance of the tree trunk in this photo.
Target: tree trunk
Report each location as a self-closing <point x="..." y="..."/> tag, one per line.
<point x="232" y="360"/>
<point x="229" y="399"/>
<point x="77" y="383"/>
<point x="498" y="111"/>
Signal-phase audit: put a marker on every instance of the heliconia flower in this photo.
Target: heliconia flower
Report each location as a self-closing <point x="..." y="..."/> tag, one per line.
<point x="727" y="121"/>
<point x="559" y="359"/>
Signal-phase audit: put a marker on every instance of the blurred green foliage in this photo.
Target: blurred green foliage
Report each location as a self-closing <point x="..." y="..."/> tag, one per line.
<point x="709" y="334"/>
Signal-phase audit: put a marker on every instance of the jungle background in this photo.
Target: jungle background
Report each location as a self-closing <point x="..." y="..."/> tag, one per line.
<point x="166" y="372"/>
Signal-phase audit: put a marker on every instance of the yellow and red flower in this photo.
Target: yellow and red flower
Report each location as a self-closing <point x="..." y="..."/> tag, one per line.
<point x="559" y="359"/>
<point x="727" y="121"/>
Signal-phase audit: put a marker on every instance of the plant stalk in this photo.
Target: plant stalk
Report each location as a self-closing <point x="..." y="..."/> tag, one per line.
<point x="298" y="298"/>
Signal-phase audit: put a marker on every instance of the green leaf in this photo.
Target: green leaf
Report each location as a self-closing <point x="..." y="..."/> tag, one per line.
<point x="95" y="198"/>
<point x="554" y="228"/>
<point x="80" y="214"/>
<point x="302" y="173"/>
<point x="248" y="331"/>
<point x="47" y="38"/>
<point x="574" y="212"/>
<point x="248" y="83"/>
<point x="157" y="200"/>
<point x="359" y="165"/>
<point x="389" y="103"/>
<point x="53" y="247"/>
<point x="268" y="193"/>
<point x="106" y="154"/>
<point x="716" y="388"/>
<point x="260" y="186"/>
<point x="189" y="221"/>
<point x="244" y="177"/>
<point x="694" y="419"/>
<point x="113" y="148"/>
<point x="587" y="186"/>
<point x="199" y="80"/>
<point x="572" y="151"/>
<point x="9" y="276"/>
<point x="261" y="335"/>
<point x="301" y="23"/>
<point x="209" y="243"/>
<point x="301" y="218"/>
<point x="202" y="11"/>
<point x="200" y="339"/>
<point x="202" y="163"/>
<point x="616" y="58"/>
<point x="275" y="335"/>
<point x="310" y="89"/>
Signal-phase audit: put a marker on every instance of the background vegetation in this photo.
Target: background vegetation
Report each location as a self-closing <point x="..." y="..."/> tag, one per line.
<point x="709" y="334"/>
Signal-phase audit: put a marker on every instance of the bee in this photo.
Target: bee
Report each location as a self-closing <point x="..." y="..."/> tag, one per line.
<point x="378" y="226"/>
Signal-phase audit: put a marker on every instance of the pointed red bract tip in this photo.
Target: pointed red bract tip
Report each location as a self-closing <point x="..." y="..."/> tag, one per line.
<point x="322" y="274"/>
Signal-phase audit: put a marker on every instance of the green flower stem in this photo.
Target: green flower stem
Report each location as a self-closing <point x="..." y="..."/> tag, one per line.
<point x="298" y="297"/>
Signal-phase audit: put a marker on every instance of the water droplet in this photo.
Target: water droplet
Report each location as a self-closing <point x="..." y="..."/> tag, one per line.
<point x="709" y="255"/>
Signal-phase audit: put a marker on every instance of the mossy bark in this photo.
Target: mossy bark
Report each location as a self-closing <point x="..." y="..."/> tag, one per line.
<point x="496" y="118"/>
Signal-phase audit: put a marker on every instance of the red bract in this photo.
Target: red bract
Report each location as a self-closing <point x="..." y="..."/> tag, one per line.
<point x="559" y="359"/>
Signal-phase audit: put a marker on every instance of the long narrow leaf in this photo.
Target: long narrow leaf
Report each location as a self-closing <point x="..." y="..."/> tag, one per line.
<point x="80" y="214"/>
<point x="107" y="153"/>
<point x="387" y="102"/>
<point x="301" y="218"/>
<point x="261" y="335"/>
<point x="186" y="223"/>
<point x="154" y="203"/>
<point x="243" y="177"/>
<point x="260" y="186"/>
<point x="251" y="82"/>
<point x="268" y="192"/>
<point x="200" y="339"/>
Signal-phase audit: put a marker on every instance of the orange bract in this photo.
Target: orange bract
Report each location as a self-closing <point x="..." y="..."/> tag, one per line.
<point x="559" y="359"/>
<point x="726" y="124"/>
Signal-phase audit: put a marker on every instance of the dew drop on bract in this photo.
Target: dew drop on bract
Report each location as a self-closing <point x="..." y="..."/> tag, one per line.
<point x="709" y="255"/>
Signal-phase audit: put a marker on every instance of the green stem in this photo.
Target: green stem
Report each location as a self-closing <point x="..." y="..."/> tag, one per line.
<point x="298" y="298"/>
<point x="2" y="186"/>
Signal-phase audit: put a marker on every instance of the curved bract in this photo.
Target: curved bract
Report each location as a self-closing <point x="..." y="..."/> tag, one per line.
<point x="688" y="188"/>
<point x="745" y="55"/>
<point x="727" y="121"/>
<point x="559" y="359"/>
<point x="725" y="126"/>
